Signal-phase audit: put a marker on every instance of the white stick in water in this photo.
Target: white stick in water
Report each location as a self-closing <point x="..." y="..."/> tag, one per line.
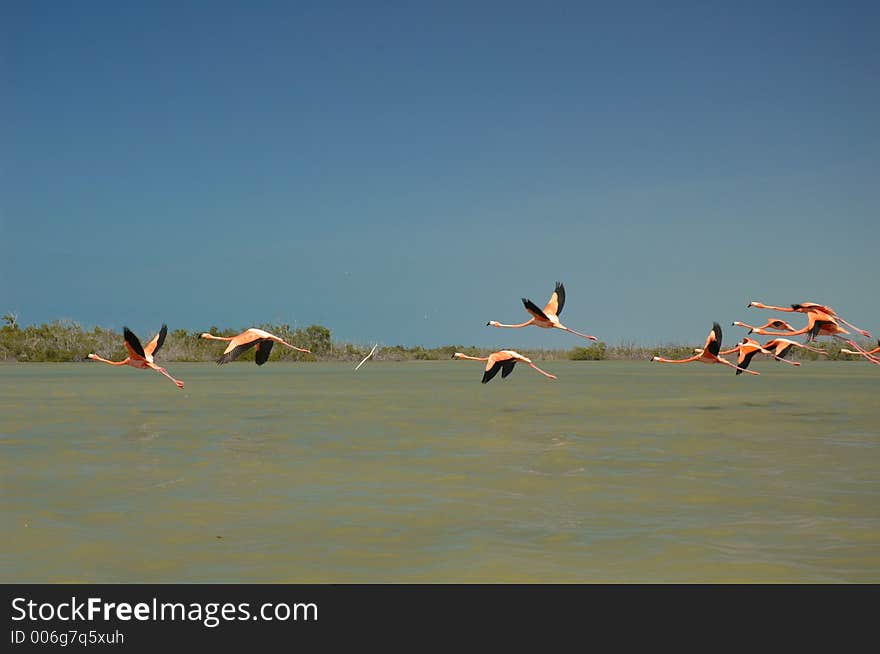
<point x="373" y="351"/>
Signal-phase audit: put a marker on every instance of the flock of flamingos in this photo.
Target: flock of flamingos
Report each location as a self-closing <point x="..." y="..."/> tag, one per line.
<point x="821" y="321"/>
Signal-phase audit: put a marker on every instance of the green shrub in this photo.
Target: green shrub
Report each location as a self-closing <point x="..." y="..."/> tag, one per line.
<point x="595" y="352"/>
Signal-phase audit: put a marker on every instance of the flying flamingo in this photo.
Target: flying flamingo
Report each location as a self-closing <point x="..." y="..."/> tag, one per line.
<point x="245" y="341"/>
<point x="503" y="360"/>
<point x="807" y="307"/>
<point x="819" y="323"/>
<point x="708" y="353"/>
<point x="140" y="356"/>
<point x="748" y="348"/>
<point x="782" y="346"/>
<point x="866" y="353"/>
<point x="770" y="324"/>
<point x="549" y="317"/>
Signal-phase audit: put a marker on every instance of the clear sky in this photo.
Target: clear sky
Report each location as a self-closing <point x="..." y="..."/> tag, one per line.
<point x="403" y="172"/>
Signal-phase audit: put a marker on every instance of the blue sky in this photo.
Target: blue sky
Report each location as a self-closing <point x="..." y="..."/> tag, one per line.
<point x="405" y="172"/>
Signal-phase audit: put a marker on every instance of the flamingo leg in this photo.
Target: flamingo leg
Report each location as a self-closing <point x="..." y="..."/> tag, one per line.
<point x="546" y="374"/>
<point x="870" y="357"/>
<point x="177" y="382"/>
<point x="867" y="355"/>
<point x="733" y="365"/>
<point x="592" y="338"/>
<point x="294" y="347"/>
<point x="784" y="360"/>
<point x="860" y="331"/>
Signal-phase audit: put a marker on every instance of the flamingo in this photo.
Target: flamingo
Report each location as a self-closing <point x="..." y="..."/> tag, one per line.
<point x="807" y="307"/>
<point x="782" y="346"/>
<point x="548" y="318"/>
<point x="748" y="348"/>
<point x="819" y="323"/>
<point x="503" y="360"/>
<point x="709" y="353"/>
<point x="139" y="356"/>
<point x="246" y="340"/>
<point x="866" y="353"/>
<point x="770" y="324"/>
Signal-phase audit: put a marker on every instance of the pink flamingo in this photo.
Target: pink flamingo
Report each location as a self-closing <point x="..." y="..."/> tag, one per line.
<point x="503" y="360"/>
<point x="548" y="318"/>
<point x="139" y="356"/>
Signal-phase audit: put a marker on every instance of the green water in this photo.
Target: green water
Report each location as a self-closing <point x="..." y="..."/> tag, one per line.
<point x="415" y="472"/>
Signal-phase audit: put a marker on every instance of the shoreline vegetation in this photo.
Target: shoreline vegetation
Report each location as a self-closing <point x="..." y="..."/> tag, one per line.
<point x="67" y="341"/>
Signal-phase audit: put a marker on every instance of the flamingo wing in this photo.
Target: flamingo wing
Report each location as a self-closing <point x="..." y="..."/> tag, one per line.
<point x="713" y="341"/>
<point x="779" y="324"/>
<point x="238" y="346"/>
<point x="263" y="350"/>
<point x="133" y="344"/>
<point x="745" y="358"/>
<point x="813" y="306"/>
<point x="494" y="364"/>
<point x="491" y="371"/>
<point x="507" y="367"/>
<point x="557" y="300"/>
<point x="533" y="309"/>
<point x="156" y="344"/>
<point x="816" y="328"/>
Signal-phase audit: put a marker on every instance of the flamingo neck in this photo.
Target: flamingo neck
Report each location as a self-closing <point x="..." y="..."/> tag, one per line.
<point x="459" y="355"/>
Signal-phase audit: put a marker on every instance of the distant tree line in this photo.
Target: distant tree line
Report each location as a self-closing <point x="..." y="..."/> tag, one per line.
<point x="66" y="340"/>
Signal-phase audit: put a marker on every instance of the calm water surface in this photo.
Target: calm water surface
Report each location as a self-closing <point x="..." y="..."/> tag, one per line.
<point x="415" y="472"/>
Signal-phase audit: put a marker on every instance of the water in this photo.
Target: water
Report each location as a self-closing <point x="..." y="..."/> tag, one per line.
<point x="415" y="472"/>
